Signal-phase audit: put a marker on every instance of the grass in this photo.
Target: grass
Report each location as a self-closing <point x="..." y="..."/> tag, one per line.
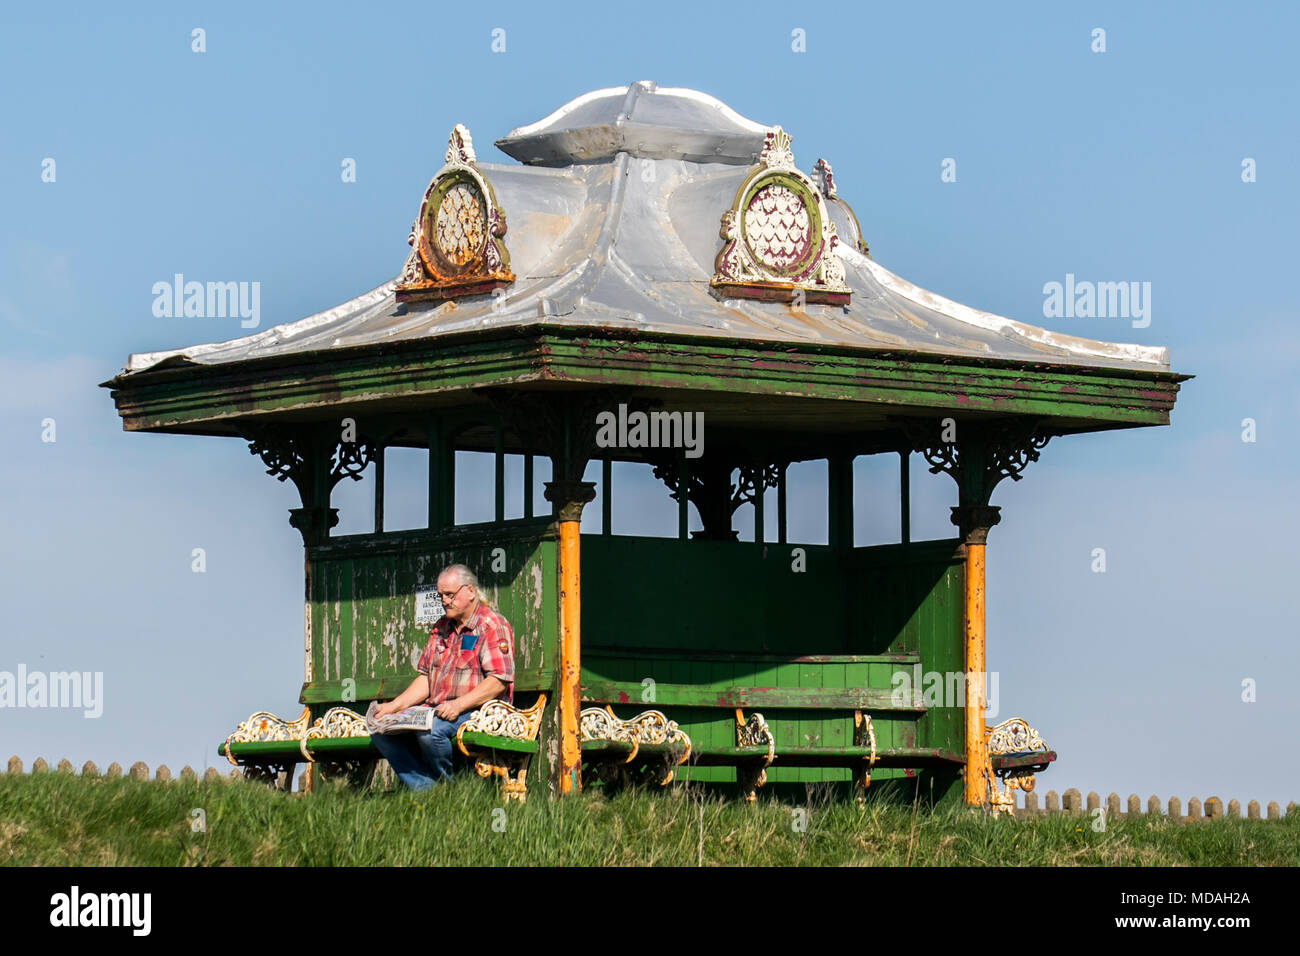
<point x="61" y="819"/>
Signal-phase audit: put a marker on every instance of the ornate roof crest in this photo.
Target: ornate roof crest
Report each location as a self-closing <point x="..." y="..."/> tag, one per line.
<point x="778" y="238"/>
<point x="456" y="241"/>
<point x="826" y="183"/>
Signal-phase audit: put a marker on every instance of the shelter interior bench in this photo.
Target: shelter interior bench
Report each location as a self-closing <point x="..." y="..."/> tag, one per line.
<point x="736" y="719"/>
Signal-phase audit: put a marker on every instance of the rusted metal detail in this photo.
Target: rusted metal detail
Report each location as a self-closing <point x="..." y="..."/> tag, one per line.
<point x="778" y="237"/>
<point x="629" y="242"/>
<point x="978" y="780"/>
<point x="570" y="664"/>
<point x="457" y="246"/>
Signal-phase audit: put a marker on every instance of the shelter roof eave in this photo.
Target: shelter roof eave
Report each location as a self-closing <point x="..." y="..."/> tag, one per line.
<point x="812" y="383"/>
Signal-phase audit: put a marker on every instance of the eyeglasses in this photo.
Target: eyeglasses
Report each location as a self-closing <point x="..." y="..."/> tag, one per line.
<point x="449" y="596"/>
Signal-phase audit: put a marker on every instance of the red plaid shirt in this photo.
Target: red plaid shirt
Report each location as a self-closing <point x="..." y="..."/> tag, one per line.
<point x="459" y="657"/>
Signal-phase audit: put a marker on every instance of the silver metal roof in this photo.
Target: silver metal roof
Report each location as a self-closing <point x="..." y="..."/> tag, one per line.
<point x="614" y="224"/>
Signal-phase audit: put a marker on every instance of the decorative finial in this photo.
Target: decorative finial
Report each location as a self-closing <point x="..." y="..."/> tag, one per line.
<point x="460" y="147"/>
<point x="825" y="178"/>
<point x="776" y="150"/>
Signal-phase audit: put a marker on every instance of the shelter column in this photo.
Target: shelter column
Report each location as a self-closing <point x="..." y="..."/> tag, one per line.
<point x="974" y="522"/>
<point x="977" y="455"/>
<point x="569" y="497"/>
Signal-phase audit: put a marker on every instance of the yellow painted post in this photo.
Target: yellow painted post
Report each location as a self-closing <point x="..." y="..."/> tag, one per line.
<point x="977" y="760"/>
<point x="570" y="657"/>
<point x="569" y="497"/>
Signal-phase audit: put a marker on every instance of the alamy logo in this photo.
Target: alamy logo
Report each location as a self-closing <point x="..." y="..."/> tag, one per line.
<point x="651" y="430"/>
<point x="77" y="690"/>
<point x="940" y="689"/>
<point x="1098" y="300"/>
<point x="75" y="908"/>
<point x="212" y="300"/>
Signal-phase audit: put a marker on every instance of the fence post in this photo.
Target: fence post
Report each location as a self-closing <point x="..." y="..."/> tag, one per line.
<point x="1213" y="808"/>
<point x="1175" y="810"/>
<point x="1072" y="801"/>
<point x="1272" y="810"/>
<point x="1252" y="810"/>
<point x="1234" y="809"/>
<point x="114" y="770"/>
<point x="88" y="769"/>
<point x="1112" y="806"/>
<point x="40" y="766"/>
<point x="1134" y="806"/>
<point x="139" y="771"/>
<point x="1053" y="802"/>
<point x="1153" y="806"/>
<point x="1194" y="808"/>
<point x="15" y="765"/>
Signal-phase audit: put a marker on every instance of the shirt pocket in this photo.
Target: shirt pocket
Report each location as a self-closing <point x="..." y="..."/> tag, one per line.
<point x="464" y="660"/>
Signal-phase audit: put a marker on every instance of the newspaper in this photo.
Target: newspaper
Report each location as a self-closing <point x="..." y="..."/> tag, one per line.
<point x="412" y="718"/>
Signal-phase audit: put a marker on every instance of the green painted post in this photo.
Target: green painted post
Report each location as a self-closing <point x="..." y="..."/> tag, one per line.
<point x="780" y="504"/>
<point x="905" y="494"/>
<point x="500" y="469"/>
<point x="528" y="486"/>
<point x="379" y="490"/>
<point x="606" y="499"/>
<point x="435" y="474"/>
<point x="683" y="483"/>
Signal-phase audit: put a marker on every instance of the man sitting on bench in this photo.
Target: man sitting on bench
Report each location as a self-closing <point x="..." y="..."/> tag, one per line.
<point x="469" y="660"/>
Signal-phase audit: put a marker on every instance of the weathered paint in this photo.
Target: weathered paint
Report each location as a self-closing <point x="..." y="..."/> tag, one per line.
<point x="880" y="612"/>
<point x="570" y="664"/>
<point x="977" y="773"/>
<point x="855" y="382"/>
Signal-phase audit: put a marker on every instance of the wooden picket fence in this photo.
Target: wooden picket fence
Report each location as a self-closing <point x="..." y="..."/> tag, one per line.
<point x="1070" y="802"/>
<point x="138" y="771"/>
<point x="1212" y="809"/>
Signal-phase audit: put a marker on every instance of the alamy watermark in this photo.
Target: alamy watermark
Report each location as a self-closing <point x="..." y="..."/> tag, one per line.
<point x="931" y="689"/>
<point x="210" y="300"/>
<point x="73" y="690"/>
<point x="1084" y="299"/>
<point x="651" y="430"/>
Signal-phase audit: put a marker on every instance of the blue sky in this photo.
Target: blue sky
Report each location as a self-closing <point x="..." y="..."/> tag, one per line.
<point x="1117" y="166"/>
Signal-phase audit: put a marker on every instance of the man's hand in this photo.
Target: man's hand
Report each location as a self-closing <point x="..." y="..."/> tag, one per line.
<point x="448" y="710"/>
<point x="383" y="710"/>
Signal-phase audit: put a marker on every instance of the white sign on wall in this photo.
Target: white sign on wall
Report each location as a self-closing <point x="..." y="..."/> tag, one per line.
<point x="428" y="606"/>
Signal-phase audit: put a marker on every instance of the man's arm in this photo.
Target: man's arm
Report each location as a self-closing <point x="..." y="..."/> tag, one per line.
<point x="485" y="691"/>
<point x="416" y="693"/>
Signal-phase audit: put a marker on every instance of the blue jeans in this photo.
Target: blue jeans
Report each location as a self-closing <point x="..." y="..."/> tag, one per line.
<point x="421" y="758"/>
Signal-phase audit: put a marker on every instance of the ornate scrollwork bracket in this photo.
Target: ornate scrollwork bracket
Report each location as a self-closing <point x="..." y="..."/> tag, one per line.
<point x="1012" y="737"/>
<point x="981" y="454"/>
<point x="500" y="719"/>
<point x="753" y="732"/>
<point x="650" y="727"/>
<point x="315" y="461"/>
<point x="710" y="488"/>
<point x="864" y="735"/>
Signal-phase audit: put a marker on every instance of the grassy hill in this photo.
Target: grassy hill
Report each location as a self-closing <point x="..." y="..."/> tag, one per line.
<point x="60" y="819"/>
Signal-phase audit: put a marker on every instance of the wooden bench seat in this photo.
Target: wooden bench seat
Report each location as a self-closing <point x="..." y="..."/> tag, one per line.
<point x="501" y="738"/>
<point x="269" y="748"/>
<point x="755" y="746"/>
<point x="648" y="746"/>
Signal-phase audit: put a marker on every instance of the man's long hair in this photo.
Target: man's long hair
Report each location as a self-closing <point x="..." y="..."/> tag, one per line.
<point x="467" y="576"/>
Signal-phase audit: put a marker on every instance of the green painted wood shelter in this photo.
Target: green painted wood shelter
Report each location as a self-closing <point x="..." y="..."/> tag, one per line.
<point x="652" y="253"/>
